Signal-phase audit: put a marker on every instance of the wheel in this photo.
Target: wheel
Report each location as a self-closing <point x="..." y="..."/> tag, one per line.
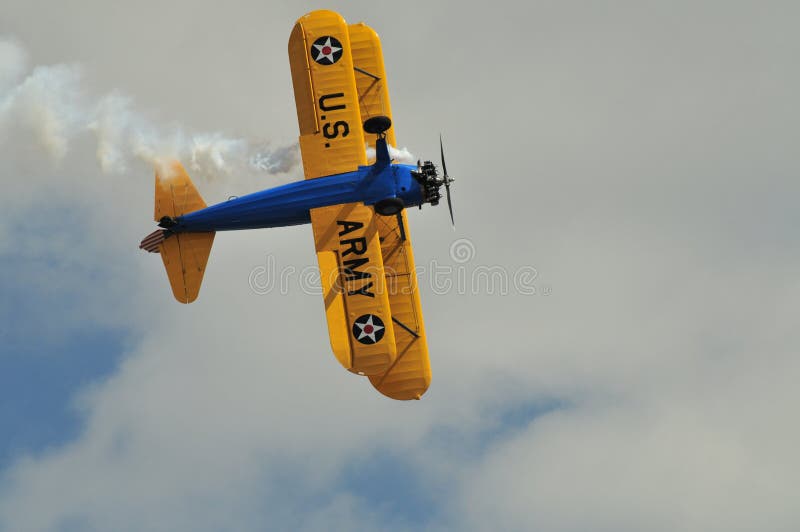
<point x="389" y="206"/>
<point x="377" y="124"/>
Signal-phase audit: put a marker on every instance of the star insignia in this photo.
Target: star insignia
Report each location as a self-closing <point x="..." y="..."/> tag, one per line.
<point x="326" y="50"/>
<point x="368" y="329"/>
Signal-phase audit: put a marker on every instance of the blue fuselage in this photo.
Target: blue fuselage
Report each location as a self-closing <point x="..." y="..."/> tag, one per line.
<point x="290" y="204"/>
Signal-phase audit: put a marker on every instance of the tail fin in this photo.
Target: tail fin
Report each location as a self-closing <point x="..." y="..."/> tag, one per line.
<point x="185" y="254"/>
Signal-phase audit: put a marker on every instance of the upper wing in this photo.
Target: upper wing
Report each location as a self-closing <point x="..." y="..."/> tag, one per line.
<point x="373" y="93"/>
<point x="331" y="134"/>
<point x="354" y="287"/>
<point x="410" y="375"/>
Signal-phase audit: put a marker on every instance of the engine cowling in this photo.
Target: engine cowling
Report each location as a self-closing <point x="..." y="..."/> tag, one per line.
<point x="430" y="181"/>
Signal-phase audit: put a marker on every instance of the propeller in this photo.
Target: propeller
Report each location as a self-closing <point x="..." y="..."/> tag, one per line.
<point x="447" y="181"/>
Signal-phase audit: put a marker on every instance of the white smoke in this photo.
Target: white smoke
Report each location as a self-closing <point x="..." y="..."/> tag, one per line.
<point x="399" y="155"/>
<point x="51" y="105"/>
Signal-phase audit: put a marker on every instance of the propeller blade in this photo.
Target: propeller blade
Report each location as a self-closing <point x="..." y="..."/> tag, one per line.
<point x="441" y="148"/>
<point x="447" y="182"/>
<point x="449" y="203"/>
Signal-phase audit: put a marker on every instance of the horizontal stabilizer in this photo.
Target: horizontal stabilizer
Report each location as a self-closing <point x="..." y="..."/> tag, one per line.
<point x="176" y="195"/>
<point x="185" y="254"/>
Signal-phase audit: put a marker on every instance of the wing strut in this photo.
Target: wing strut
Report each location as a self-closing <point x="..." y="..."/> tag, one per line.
<point x="373" y="76"/>
<point x="401" y="226"/>
<point x="405" y="327"/>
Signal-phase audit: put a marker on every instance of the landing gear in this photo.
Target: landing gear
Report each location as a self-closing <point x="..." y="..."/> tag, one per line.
<point x="389" y="206"/>
<point x="377" y="125"/>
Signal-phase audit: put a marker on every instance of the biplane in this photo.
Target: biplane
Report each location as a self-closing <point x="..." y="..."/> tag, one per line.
<point x="357" y="210"/>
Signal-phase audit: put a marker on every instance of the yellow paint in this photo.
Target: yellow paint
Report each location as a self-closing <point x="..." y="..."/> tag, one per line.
<point x="331" y="132"/>
<point x="348" y="297"/>
<point x="185" y="255"/>
<point x="410" y="376"/>
<point x="176" y="195"/>
<point x="398" y="366"/>
<point x="373" y="95"/>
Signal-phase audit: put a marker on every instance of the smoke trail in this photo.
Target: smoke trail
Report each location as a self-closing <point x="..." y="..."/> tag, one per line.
<point x="50" y="104"/>
<point x="398" y="155"/>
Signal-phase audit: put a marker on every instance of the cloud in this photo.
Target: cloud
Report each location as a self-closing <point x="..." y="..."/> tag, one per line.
<point x="647" y="390"/>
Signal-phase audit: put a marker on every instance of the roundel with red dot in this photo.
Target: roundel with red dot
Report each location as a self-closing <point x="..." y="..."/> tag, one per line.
<point x="326" y="50"/>
<point x="368" y="329"/>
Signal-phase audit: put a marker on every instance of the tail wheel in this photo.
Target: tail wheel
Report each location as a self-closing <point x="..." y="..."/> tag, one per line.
<point x="389" y="206"/>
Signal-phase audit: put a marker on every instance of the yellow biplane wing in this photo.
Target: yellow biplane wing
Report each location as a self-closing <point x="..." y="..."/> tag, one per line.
<point x="410" y="375"/>
<point x="339" y="80"/>
<point x="354" y="287"/>
<point x="331" y="137"/>
<point x="373" y="93"/>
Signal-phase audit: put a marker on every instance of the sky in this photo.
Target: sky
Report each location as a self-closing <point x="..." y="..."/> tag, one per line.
<point x="612" y="325"/>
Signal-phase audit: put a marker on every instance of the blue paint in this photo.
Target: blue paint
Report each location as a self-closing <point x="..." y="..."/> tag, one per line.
<point x="290" y="204"/>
